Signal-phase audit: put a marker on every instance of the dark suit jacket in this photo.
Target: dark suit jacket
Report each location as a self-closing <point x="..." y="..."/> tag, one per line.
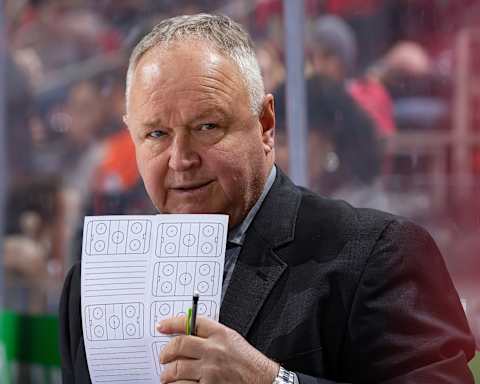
<point x="334" y="293"/>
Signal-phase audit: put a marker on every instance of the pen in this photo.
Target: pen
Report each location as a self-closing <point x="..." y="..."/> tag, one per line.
<point x="193" y="319"/>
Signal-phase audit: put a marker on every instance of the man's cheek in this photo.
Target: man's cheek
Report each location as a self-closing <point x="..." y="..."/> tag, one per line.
<point x="154" y="185"/>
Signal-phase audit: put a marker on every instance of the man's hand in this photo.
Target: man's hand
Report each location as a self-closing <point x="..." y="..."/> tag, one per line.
<point x="216" y="355"/>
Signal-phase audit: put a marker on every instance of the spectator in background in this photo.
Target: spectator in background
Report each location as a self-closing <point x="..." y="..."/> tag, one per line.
<point x="271" y="63"/>
<point x="80" y="152"/>
<point x="56" y="34"/>
<point x="113" y="183"/>
<point x="19" y="106"/>
<point x="333" y="49"/>
<point x="333" y="53"/>
<point x="29" y="244"/>
<point x="343" y="154"/>
<point x="407" y="72"/>
<point x="117" y="187"/>
<point x="370" y="93"/>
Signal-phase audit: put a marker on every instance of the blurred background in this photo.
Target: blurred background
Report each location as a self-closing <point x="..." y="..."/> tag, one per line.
<point x="391" y="120"/>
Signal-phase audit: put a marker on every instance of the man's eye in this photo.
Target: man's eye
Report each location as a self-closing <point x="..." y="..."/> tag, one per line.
<point x="207" y="126"/>
<point x="156" y="134"/>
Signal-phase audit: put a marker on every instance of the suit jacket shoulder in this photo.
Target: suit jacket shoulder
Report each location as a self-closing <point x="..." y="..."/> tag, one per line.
<point x="351" y="295"/>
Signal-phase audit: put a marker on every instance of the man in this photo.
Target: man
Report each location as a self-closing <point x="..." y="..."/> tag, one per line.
<point x="343" y="152"/>
<point x="333" y="47"/>
<point x="315" y="291"/>
<point x="333" y="53"/>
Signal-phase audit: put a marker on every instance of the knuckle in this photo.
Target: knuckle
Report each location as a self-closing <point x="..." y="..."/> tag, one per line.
<point x="179" y="344"/>
<point x="212" y="349"/>
<point x="218" y="354"/>
<point x="168" y="373"/>
<point x="170" y="350"/>
<point x="171" y="371"/>
<point x="164" y="355"/>
<point x="233" y="335"/>
<point x="176" y="369"/>
<point x="224" y="331"/>
<point x="176" y="343"/>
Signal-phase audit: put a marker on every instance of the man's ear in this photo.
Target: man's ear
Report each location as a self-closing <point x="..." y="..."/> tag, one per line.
<point x="267" y="122"/>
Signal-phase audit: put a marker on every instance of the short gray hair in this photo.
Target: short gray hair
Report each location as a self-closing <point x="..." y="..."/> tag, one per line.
<point x="227" y="36"/>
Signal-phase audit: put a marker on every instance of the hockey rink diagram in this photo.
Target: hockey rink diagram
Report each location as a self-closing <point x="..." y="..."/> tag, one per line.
<point x="189" y="239"/>
<point x="117" y="237"/>
<point x="115" y="321"/>
<point x="165" y="309"/>
<point x="184" y="278"/>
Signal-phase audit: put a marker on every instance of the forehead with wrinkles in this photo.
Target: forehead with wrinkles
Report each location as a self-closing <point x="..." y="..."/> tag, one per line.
<point x="192" y="69"/>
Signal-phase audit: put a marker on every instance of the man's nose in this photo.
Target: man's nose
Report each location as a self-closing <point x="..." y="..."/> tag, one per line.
<point x="183" y="155"/>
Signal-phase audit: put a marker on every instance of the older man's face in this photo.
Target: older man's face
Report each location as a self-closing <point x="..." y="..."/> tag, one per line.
<point x="199" y="147"/>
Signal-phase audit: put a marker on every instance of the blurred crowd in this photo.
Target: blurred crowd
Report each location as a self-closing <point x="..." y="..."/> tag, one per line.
<point x="374" y="70"/>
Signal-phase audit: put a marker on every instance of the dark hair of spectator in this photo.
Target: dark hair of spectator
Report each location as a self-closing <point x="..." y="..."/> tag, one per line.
<point x="334" y="114"/>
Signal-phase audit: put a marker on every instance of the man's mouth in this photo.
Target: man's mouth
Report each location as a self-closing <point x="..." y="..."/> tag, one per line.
<point x="191" y="187"/>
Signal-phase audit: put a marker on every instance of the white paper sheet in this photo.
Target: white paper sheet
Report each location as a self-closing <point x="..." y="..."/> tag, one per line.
<point x="137" y="270"/>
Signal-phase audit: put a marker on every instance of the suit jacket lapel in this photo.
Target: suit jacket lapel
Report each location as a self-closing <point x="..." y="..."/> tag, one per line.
<point x="258" y="268"/>
<point x="250" y="284"/>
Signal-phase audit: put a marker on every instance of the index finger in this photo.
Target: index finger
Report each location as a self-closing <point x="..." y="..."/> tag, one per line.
<point x="176" y="325"/>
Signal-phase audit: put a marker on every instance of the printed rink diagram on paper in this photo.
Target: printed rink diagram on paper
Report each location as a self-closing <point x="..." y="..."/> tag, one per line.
<point x="136" y="271"/>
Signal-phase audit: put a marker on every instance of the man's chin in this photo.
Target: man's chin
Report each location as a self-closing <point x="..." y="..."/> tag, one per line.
<point x="192" y="208"/>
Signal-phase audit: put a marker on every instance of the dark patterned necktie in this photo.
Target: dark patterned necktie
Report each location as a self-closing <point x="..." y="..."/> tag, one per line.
<point x="228" y="257"/>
